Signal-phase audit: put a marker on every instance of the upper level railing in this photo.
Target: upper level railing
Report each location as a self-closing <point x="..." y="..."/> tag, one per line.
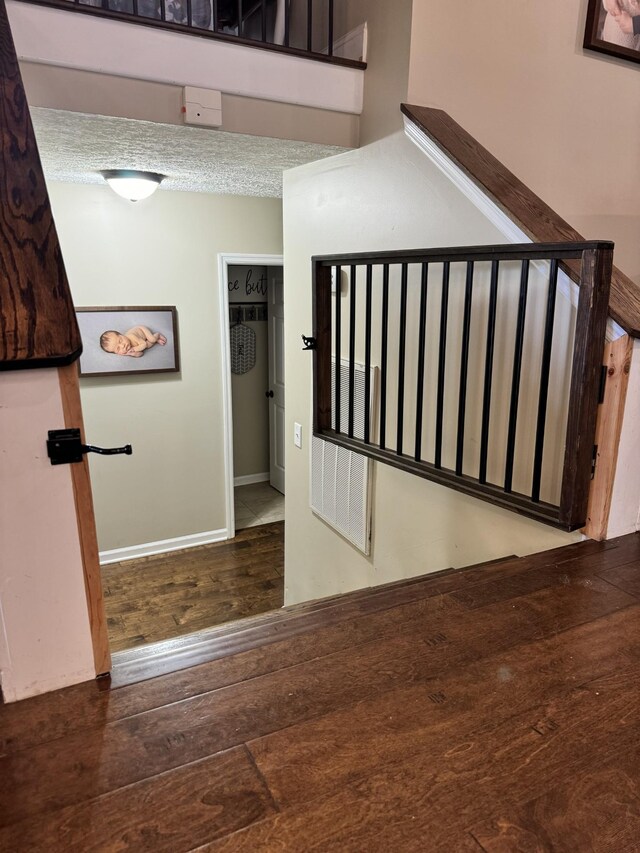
<point x="489" y="362"/>
<point x="303" y="28"/>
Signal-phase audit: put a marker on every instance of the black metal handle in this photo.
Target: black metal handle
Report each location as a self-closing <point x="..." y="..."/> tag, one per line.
<point x="268" y="393"/>
<point x="106" y="451"/>
<point x="64" y="446"/>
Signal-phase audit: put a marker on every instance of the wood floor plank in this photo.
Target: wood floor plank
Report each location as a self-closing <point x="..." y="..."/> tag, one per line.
<point x="625" y="577"/>
<point x="429" y="799"/>
<point x="155" y="741"/>
<point x="425" y="716"/>
<point x="598" y="812"/>
<point x="171" y="812"/>
<point x="307" y="760"/>
<point x="46" y="718"/>
<point x="163" y="596"/>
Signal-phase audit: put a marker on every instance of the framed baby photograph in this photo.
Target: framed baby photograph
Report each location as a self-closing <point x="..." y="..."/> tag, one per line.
<point x="117" y="341"/>
<point x="613" y="27"/>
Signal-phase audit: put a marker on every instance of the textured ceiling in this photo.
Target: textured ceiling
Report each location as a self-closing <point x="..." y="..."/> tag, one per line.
<point x="74" y="147"/>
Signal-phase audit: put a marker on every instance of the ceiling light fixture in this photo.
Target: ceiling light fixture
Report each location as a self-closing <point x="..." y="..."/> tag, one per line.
<point x="132" y="184"/>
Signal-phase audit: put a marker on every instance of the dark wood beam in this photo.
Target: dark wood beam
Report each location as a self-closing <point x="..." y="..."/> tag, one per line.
<point x="38" y="325"/>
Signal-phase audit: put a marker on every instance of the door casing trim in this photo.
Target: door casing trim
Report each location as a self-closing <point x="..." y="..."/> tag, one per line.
<point x="224" y="261"/>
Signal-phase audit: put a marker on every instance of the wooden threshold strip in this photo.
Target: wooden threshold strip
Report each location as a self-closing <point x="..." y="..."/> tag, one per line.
<point x="524" y="207"/>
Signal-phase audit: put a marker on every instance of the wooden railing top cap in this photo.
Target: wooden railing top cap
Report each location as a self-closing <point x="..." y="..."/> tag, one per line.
<point x="522" y="205"/>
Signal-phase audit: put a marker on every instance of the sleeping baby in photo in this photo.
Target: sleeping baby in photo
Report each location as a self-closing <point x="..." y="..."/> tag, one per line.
<point x="133" y="343"/>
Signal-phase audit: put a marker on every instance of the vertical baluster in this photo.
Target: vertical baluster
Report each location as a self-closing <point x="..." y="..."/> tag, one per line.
<point x="352" y="347"/>
<point x="215" y="16"/>
<point x="488" y="370"/>
<point x="189" y="12"/>
<point x="383" y="355"/>
<point x="444" y="308"/>
<point x="134" y="6"/>
<point x="309" y="25"/>
<point x="401" y="356"/>
<point x="337" y="366"/>
<point x="544" y="380"/>
<point x="515" y="381"/>
<point x="264" y="20"/>
<point x="240" y="21"/>
<point x="163" y="11"/>
<point x="287" y="22"/>
<point x="422" y="342"/>
<point x="330" y="46"/>
<point x="464" y="367"/>
<point x="367" y="357"/>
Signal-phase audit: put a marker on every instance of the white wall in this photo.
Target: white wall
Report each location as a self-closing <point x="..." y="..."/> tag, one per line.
<point x="159" y="252"/>
<point x="45" y="640"/>
<point x="384" y="196"/>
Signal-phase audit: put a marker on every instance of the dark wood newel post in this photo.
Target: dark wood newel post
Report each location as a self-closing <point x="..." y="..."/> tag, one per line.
<point x="591" y="322"/>
<point x="322" y="353"/>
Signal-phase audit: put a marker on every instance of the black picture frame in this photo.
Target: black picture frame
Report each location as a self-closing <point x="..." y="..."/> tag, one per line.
<point x="597" y="30"/>
<point x="157" y="358"/>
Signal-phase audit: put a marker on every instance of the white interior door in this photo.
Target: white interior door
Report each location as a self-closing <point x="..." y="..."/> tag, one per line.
<point x="276" y="380"/>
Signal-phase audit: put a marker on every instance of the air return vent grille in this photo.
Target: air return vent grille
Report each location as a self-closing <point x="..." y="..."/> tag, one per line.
<point x="340" y="479"/>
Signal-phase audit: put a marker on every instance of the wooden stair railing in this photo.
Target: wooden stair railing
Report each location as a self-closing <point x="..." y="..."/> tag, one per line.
<point x="524" y="207"/>
<point x="540" y="223"/>
<point x="488" y="384"/>
<point x="38" y="325"/>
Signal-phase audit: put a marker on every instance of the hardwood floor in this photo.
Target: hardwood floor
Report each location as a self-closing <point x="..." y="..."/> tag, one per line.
<point x="494" y="708"/>
<point x="156" y="598"/>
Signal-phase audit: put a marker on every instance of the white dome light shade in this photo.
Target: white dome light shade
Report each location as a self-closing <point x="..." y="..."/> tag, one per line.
<point x="131" y="184"/>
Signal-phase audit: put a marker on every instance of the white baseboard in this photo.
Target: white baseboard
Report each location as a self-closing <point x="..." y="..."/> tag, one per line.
<point x="147" y="549"/>
<point x="249" y="479"/>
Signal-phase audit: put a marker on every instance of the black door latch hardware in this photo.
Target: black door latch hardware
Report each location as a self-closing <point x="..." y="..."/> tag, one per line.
<point x="309" y="343"/>
<point x="268" y="393"/>
<point x="64" y="446"/>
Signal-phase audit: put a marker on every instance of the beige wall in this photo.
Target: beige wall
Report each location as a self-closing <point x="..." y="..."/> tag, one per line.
<point x="45" y="641"/>
<point x="386" y="77"/>
<point x="565" y="120"/>
<point x="418" y="527"/>
<point x="106" y="94"/>
<point x="159" y="252"/>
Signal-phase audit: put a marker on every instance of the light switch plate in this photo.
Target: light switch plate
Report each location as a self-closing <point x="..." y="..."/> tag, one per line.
<point x="297" y="435"/>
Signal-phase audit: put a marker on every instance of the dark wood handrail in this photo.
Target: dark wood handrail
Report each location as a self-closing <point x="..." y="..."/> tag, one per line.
<point x="38" y="326"/>
<point x="524" y="207"/>
<point x="184" y="29"/>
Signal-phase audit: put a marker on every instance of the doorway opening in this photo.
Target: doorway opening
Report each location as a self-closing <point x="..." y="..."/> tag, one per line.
<point x="163" y="603"/>
<point x="252" y="333"/>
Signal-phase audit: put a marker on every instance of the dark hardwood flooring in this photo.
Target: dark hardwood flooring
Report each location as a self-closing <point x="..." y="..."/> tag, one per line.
<point x="167" y="595"/>
<point x="492" y="709"/>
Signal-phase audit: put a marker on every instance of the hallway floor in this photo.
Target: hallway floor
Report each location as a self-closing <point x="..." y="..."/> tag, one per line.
<point x="491" y="709"/>
<point x="258" y="503"/>
<point x="167" y="595"/>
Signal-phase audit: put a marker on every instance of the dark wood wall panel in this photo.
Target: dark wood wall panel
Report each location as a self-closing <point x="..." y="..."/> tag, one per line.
<point x="536" y="218"/>
<point x="38" y="326"/>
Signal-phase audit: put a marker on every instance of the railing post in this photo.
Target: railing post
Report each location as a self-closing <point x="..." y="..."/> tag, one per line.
<point x="591" y="320"/>
<point x="322" y="353"/>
